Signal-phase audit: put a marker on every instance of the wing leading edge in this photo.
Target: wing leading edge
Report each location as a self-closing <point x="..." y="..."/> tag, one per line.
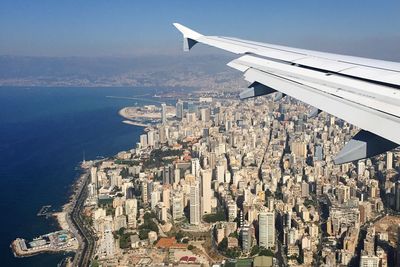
<point x="362" y="91"/>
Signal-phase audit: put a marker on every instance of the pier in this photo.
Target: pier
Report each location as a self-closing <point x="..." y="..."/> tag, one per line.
<point x="54" y="242"/>
<point x="44" y="211"/>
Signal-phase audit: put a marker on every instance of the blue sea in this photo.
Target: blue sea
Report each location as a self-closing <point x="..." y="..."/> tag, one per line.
<point x="43" y="135"/>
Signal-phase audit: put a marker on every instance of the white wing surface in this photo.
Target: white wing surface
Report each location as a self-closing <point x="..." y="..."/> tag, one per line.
<point x="364" y="92"/>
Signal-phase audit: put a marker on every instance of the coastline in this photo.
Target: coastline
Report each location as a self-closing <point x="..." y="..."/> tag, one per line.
<point x="137" y="119"/>
<point x="68" y="219"/>
<point x="44" y="172"/>
<point x="65" y="224"/>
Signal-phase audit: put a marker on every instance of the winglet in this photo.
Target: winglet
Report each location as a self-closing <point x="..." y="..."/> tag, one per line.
<point x="190" y="37"/>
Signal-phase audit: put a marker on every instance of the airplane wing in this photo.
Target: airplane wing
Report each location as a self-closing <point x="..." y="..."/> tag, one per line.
<point x="364" y="92"/>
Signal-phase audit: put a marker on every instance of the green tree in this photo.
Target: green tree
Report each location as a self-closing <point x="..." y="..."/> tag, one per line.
<point x="234" y="234"/>
<point x="190" y="247"/>
<point x="266" y="252"/>
<point x="223" y="245"/>
<point x="125" y="241"/>
<point x="215" y="217"/>
<point x="255" y="250"/>
<point x="179" y="236"/>
<point x="143" y="233"/>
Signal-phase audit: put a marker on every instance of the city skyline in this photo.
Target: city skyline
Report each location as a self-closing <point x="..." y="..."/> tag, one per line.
<point x="274" y="154"/>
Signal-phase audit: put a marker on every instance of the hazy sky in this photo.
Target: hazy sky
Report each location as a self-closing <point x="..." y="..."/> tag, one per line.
<point x="120" y="28"/>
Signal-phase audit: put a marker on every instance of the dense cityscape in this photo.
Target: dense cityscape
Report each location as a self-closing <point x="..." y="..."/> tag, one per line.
<point x="200" y="133"/>
<point x="223" y="182"/>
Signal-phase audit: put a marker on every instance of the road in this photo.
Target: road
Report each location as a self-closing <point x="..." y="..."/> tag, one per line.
<point x="79" y="228"/>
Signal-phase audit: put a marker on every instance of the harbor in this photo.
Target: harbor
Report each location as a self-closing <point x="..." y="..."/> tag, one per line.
<point x="45" y="211"/>
<point x="58" y="241"/>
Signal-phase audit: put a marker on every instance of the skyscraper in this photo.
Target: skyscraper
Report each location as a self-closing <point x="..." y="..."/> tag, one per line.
<point x="163" y="113"/>
<point x="246" y="235"/>
<point x="195" y="203"/>
<point x="397" y="195"/>
<point x="195" y="167"/>
<point x="167" y="174"/>
<point x="205" y="114"/>
<point x="232" y="211"/>
<point x="206" y="191"/>
<point x="143" y="140"/>
<point x="177" y="207"/>
<point x="389" y="160"/>
<point x="150" y="138"/>
<point x="266" y="222"/>
<point x="131" y="211"/>
<point x="144" y="192"/>
<point x="179" y="109"/>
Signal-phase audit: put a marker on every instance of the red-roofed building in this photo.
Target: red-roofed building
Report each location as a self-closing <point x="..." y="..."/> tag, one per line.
<point x="185" y="259"/>
<point x="169" y="242"/>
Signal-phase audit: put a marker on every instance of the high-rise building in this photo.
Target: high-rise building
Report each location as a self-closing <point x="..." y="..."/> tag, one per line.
<point x="212" y="160"/>
<point x="192" y="107"/>
<point x="266" y="224"/>
<point x="143" y="140"/>
<point x="195" y="167"/>
<point x="232" y="211"/>
<point x="191" y="117"/>
<point x="168" y="171"/>
<point x="389" y="160"/>
<point x="150" y="138"/>
<point x="155" y="198"/>
<point x="149" y="189"/>
<point x="205" y="114"/>
<point x="220" y="173"/>
<point x="369" y="261"/>
<point x="162" y="133"/>
<point x="206" y="192"/>
<point x="179" y="109"/>
<point x="144" y="192"/>
<point x="360" y="167"/>
<point x="131" y="211"/>
<point x="195" y="203"/>
<point x="246" y="234"/>
<point x="299" y="149"/>
<point x="318" y="155"/>
<point x="163" y="113"/>
<point x="177" y="207"/>
<point x="397" y="195"/>
<point x="177" y="175"/>
<point x="166" y="196"/>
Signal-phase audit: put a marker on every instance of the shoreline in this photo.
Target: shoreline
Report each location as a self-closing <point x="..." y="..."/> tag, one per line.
<point x="137" y="119"/>
<point x="128" y="119"/>
<point x="64" y="222"/>
<point x="68" y="219"/>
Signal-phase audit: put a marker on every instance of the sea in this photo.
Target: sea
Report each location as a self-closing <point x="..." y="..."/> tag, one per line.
<point x="44" y="134"/>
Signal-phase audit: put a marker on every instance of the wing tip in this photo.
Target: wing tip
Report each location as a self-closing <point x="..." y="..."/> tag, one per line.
<point x="187" y="32"/>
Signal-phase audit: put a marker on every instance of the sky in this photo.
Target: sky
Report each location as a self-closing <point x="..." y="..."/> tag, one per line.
<point x="125" y="28"/>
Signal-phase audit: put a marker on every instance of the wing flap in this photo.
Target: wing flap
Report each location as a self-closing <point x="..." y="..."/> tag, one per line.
<point x="366" y="118"/>
<point x="338" y="86"/>
<point x="362" y="91"/>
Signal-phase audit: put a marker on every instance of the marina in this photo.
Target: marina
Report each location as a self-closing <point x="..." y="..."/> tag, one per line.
<point x="45" y="211"/>
<point x="51" y="243"/>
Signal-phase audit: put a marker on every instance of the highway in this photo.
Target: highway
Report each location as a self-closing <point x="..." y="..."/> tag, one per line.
<point x="80" y="229"/>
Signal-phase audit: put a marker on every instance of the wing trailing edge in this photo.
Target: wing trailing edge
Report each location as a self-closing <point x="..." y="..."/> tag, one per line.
<point x="364" y="92"/>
